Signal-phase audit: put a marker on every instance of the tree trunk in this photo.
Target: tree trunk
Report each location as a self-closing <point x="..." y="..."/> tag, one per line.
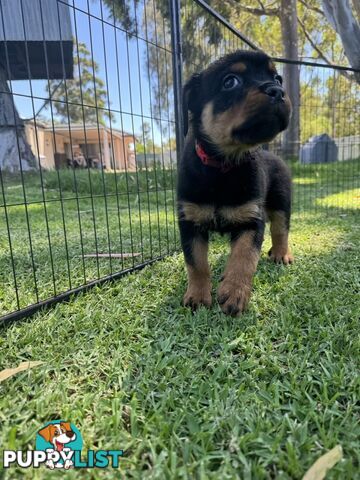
<point x="340" y="16"/>
<point x="288" y="20"/>
<point x="356" y="5"/>
<point x="14" y="148"/>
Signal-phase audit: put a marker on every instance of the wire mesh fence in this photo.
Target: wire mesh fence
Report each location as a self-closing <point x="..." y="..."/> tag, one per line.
<point x="90" y="133"/>
<point x="94" y="194"/>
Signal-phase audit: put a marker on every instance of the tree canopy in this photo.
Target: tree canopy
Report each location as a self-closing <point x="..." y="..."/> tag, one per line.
<point x="82" y="99"/>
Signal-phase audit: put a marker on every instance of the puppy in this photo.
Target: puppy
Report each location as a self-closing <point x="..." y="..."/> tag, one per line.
<point x="226" y="182"/>
<point x="58" y="434"/>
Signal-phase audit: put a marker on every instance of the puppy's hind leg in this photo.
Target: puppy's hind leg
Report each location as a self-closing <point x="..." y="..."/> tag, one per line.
<point x="195" y="247"/>
<point x="278" y="209"/>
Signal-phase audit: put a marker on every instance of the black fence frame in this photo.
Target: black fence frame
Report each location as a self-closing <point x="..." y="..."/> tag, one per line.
<point x="177" y="63"/>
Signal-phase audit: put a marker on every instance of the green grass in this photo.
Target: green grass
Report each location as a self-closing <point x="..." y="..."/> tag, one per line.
<point x="204" y="395"/>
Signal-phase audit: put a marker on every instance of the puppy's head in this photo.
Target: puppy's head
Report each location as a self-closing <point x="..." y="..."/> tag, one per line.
<point x="236" y="103"/>
<point x="58" y="434"/>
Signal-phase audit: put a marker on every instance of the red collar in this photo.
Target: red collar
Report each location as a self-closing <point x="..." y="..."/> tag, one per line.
<point x="209" y="161"/>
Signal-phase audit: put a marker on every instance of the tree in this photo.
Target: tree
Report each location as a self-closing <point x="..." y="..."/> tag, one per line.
<point x="15" y="152"/>
<point x="289" y="30"/>
<point x="82" y="99"/>
<point x="145" y="143"/>
<point x="342" y="19"/>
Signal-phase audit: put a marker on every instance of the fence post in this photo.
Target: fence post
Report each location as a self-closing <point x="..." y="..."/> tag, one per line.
<point x="175" y="27"/>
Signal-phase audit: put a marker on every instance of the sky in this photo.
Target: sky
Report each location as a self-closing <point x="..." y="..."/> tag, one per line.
<point x="122" y="67"/>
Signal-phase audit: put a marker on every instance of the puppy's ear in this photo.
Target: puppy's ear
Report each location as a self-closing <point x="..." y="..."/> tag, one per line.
<point x="47" y="432"/>
<point x="190" y="94"/>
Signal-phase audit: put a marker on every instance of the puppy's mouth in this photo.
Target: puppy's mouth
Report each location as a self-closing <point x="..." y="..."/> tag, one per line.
<point x="262" y="127"/>
<point x="59" y="446"/>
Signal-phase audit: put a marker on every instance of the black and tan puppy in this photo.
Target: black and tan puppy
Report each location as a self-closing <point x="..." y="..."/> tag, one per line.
<point x="226" y="182"/>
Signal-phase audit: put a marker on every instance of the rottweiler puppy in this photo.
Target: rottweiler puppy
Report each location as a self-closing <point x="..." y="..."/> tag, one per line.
<point x="226" y="182"/>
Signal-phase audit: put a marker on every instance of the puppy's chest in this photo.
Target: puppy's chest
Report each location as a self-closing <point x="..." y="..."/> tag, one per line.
<point x="220" y="218"/>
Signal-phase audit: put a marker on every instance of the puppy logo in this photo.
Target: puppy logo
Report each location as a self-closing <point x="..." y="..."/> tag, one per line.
<point x="58" y="434"/>
<point x="59" y="439"/>
<point x="59" y="445"/>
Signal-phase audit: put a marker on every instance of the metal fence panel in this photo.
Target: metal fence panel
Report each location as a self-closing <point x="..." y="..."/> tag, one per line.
<point x="85" y="201"/>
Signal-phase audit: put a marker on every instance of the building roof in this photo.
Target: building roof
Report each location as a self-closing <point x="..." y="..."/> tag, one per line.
<point x="30" y="30"/>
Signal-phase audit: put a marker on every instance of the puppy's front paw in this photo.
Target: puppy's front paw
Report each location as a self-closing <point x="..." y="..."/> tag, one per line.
<point x="68" y="464"/>
<point x="233" y="297"/>
<point x="280" y="257"/>
<point x="196" y="296"/>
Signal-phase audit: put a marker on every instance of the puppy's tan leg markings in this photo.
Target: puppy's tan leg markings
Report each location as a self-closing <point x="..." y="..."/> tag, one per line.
<point x="279" y="252"/>
<point x="235" y="289"/>
<point x="199" y="286"/>
<point x="196" y="213"/>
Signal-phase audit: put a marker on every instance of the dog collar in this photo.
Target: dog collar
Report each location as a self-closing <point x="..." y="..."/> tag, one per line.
<point x="209" y="161"/>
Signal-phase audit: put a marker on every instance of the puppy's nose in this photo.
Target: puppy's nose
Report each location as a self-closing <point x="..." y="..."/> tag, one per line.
<point x="276" y="92"/>
<point x="70" y="433"/>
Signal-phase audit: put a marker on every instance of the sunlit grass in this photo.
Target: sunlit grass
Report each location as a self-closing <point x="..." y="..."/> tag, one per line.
<point x="348" y="199"/>
<point x="304" y="181"/>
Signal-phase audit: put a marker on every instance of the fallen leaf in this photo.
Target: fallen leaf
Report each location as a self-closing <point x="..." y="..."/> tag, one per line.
<point x="9" y="372"/>
<point x="319" y="469"/>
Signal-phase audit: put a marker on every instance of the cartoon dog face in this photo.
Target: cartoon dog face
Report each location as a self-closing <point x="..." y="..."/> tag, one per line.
<point x="58" y="434"/>
<point x="237" y="102"/>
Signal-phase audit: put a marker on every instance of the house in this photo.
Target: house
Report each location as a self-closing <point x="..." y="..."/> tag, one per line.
<point x="79" y="145"/>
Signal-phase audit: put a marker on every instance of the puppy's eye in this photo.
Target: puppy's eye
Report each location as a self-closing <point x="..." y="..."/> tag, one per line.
<point x="278" y="79"/>
<point x="230" y="82"/>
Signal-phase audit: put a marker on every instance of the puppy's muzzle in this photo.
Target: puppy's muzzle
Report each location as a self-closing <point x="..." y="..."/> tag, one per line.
<point x="274" y="90"/>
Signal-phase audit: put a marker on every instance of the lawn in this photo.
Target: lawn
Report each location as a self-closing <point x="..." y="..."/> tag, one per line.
<point x="203" y="395"/>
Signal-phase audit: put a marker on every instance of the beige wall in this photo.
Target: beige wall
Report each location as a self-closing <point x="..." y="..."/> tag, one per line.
<point x="40" y="145"/>
<point x="49" y="161"/>
<point x="122" y="154"/>
<point x="118" y="153"/>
